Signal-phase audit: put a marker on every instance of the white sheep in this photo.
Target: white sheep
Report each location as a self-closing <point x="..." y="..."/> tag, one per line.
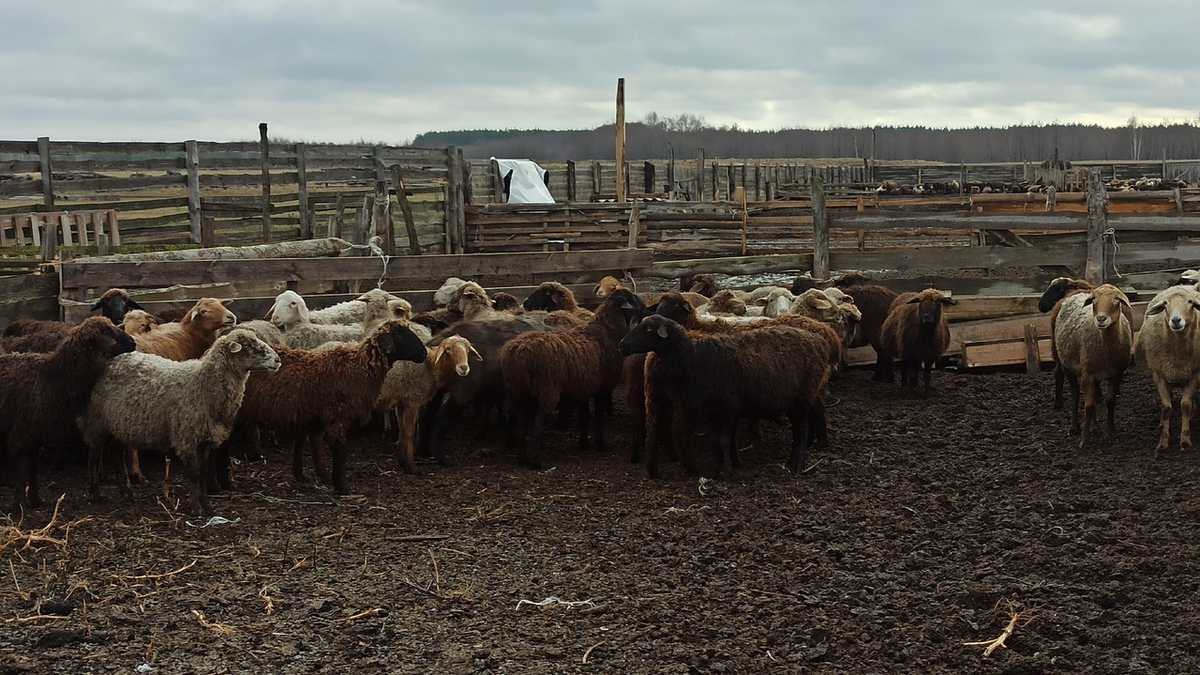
<point x="443" y="295"/>
<point x="300" y="330"/>
<point x="1168" y="347"/>
<point x="290" y="309"/>
<point x="409" y="386"/>
<point x="147" y="402"/>
<point x="1093" y="337"/>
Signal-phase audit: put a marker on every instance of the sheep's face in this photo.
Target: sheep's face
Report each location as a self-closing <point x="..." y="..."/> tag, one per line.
<point x="289" y="309"/>
<point x="648" y="336"/>
<point x="210" y="314"/>
<point x="1106" y="303"/>
<point x="606" y="287"/>
<point x="1057" y="290"/>
<point x="930" y="303"/>
<point x="139" y="322"/>
<point x="115" y="303"/>
<point x="253" y="352"/>
<point x="399" y="343"/>
<point x="100" y="333"/>
<point x="548" y="297"/>
<point x="505" y="302"/>
<point x="459" y="352"/>
<point x="673" y="306"/>
<point x="1178" y="307"/>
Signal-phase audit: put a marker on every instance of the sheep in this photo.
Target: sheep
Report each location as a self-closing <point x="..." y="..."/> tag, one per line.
<point x="443" y="295"/>
<point x="1168" y="347"/>
<point x="319" y="395"/>
<point x="306" y="335"/>
<point x="192" y="335"/>
<point x="702" y="284"/>
<point x="409" y="386"/>
<point x="147" y="402"/>
<point x="804" y="282"/>
<point x="35" y="335"/>
<point x="115" y="303"/>
<point x="551" y="296"/>
<point x="606" y="286"/>
<point x="540" y="370"/>
<point x="1187" y="278"/>
<point x="725" y="302"/>
<point x="484" y="384"/>
<point x="506" y="302"/>
<point x="381" y="307"/>
<point x="138" y="322"/>
<point x="41" y="394"/>
<point x="873" y="302"/>
<point x="717" y="379"/>
<point x="290" y="309"/>
<point x="475" y="304"/>
<point x="1093" y="336"/>
<point x="643" y="381"/>
<point x="851" y="314"/>
<point x="265" y="330"/>
<point x="917" y="333"/>
<point x="1049" y="303"/>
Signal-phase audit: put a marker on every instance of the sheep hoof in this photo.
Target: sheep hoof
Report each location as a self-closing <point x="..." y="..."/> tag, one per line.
<point x="1185" y="444"/>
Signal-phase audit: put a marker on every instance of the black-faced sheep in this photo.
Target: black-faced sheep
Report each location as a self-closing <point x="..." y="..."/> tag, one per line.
<point x="147" y="402"/>
<point x="1094" y="340"/>
<point x="916" y="333"/>
<point x="551" y="296"/>
<point x="1168" y="347"/>
<point x="718" y="379"/>
<point x="319" y="395"/>
<point x="115" y="303"/>
<point x="192" y="335"/>
<point x="541" y="370"/>
<point x="42" y="394"/>
<point x="1049" y="303"/>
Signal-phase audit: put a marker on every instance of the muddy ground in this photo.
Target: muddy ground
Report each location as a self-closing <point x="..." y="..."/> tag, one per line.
<point x="920" y="530"/>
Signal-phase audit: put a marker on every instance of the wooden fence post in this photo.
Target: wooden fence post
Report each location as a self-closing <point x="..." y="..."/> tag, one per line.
<point x="699" y="175"/>
<point x="306" y="224"/>
<point x="43" y="144"/>
<point x="596" y="179"/>
<point x="497" y="183"/>
<point x="1097" y="231"/>
<point x="49" y="236"/>
<point x="670" y="172"/>
<point x="622" y="170"/>
<point x="381" y="216"/>
<point x="452" y="203"/>
<point x="635" y="222"/>
<point x="570" y="181"/>
<point x="102" y="247"/>
<point x="648" y="178"/>
<point x="1033" y="355"/>
<point x="265" y="164"/>
<point x="410" y="225"/>
<point x="193" y="189"/>
<point x="462" y="197"/>
<point x="820" y="230"/>
<point x="739" y="197"/>
<point x="208" y="232"/>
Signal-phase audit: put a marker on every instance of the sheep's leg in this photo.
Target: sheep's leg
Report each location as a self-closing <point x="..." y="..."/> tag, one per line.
<point x="1059" y="376"/>
<point x="133" y="466"/>
<point x="298" y="456"/>
<point x="818" y="429"/>
<point x="440" y="429"/>
<point x="683" y="438"/>
<point x="337" y="458"/>
<point x="96" y="452"/>
<point x="25" y="492"/>
<point x="1089" y="386"/>
<point x="655" y="416"/>
<point x="885" y="367"/>
<point x="1114" y="390"/>
<point x="585" y="420"/>
<point x="535" y="437"/>
<point x="428" y="418"/>
<point x="1073" y="379"/>
<point x="406" y="425"/>
<point x="217" y="472"/>
<point x="1185" y="407"/>
<point x="928" y="372"/>
<point x="316" y="446"/>
<point x="604" y="408"/>
<point x="724" y="446"/>
<point x="1164" y="399"/>
<point x="798" y="416"/>
<point x="198" y="503"/>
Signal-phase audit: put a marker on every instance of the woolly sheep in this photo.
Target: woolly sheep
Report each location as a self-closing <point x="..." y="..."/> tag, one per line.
<point x="35" y="335"/>
<point x="702" y="284"/>
<point x="138" y="321"/>
<point x="290" y="309"/>
<point x="1094" y="338"/>
<point x="115" y="303"/>
<point x="409" y="386"/>
<point x="443" y="295"/>
<point x="873" y="302"/>
<point x="552" y="296"/>
<point x="192" y="335"/>
<point x="42" y="394"/>
<point x="1049" y="303"/>
<point x="147" y="402"/>
<point x="718" y="379"/>
<point x="506" y="302"/>
<point x="1168" y="347"/>
<point x="264" y="330"/>
<point x="541" y="370"/>
<point x="475" y="305"/>
<point x="319" y="395"/>
<point x="916" y="333"/>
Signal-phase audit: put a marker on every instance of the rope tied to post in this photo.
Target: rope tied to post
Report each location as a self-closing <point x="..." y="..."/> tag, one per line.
<point x="1110" y="235"/>
<point x="372" y="245"/>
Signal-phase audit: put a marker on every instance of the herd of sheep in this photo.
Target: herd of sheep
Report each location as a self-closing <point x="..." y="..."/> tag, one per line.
<point x="691" y="364"/>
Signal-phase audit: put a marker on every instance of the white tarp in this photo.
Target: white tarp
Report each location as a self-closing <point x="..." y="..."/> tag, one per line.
<point x="528" y="184"/>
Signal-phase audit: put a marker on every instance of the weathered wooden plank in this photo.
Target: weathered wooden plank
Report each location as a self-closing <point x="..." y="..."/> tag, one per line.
<point x="161" y="273"/>
<point x="1006" y="352"/>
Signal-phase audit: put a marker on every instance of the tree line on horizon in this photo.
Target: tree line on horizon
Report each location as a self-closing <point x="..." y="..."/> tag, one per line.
<point x="654" y="137"/>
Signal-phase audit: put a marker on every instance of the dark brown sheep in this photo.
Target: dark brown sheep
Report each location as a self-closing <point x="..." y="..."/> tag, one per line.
<point x="873" y="302"/>
<point x="35" y="335"/>
<point x="718" y="379"/>
<point x="916" y="333"/>
<point x="319" y="395"/>
<point x="541" y="370"/>
<point x="703" y="284"/>
<point x="506" y="302"/>
<point x="42" y="394"/>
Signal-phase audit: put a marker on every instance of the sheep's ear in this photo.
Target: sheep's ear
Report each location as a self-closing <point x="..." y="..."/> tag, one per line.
<point x="596" y="290"/>
<point x="477" y="355"/>
<point x="662" y="330"/>
<point x="132" y="304"/>
<point x="1160" y="307"/>
<point x="1195" y="305"/>
<point x="235" y="346"/>
<point x="97" y="305"/>
<point x="1124" y="301"/>
<point x="913" y="301"/>
<point x="1088" y="300"/>
<point x="437" y="353"/>
<point x="949" y="301"/>
<point x="226" y="301"/>
<point x="556" y="297"/>
<point x="385" y="341"/>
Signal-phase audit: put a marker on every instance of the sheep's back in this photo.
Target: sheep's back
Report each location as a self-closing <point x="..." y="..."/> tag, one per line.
<point x="138" y="398"/>
<point x="571" y="363"/>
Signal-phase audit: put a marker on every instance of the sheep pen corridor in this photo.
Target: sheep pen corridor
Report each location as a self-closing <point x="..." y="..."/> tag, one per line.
<point x="921" y="529"/>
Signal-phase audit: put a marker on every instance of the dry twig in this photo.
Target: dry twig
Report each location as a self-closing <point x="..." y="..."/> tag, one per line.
<point x="31" y="619"/>
<point x="1015" y="620"/>
<point x="154" y="577"/>
<point x="364" y="614"/>
<point x="11" y="535"/>
<point x="218" y="628"/>
<point x="589" y="651"/>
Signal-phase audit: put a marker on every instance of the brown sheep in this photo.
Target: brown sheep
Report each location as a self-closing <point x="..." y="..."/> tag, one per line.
<point x="506" y="302"/>
<point x="606" y="286"/>
<point x="703" y="284"/>
<point x="873" y="303"/>
<point x="1094" y="339"/>
<point x="42" y="394"/>
<point x="917" y="333"/>
<point x="139" y="322"/>
<point x="192" y="335"/>
<point x="541" y="370"/>
<point x="319" y="395"/>
<point x="35" y="335"/>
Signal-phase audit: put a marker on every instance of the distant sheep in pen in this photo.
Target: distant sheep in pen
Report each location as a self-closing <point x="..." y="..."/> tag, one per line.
<point x="916" y="333"/>
<point x="1168" y="347"/>
<point x="1094" y="340"/>
<point x="1049" y="303"/>
<point x="147" y="402"/>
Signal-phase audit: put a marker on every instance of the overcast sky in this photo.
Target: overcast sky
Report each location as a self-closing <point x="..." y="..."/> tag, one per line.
<point x="385" y="71"/>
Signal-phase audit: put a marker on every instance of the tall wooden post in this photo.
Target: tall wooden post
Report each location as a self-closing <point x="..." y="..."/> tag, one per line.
<point x="621" y="168"/>
<point x="43" y="144"/>
<point x="306" y="224"/>
<point x="1097" y="226"/>
<point x="597" y="179"/>
<point x="670" y="172"/>
<point x="453" y="197"/>
<point x="410" y="225"/>
<point x="570" y="181"/>
<point x="699" y="175"/>
<point x="635" y="222"/>
<point x="193" y="188"/>
<point x="820" y="230"/>
<point x="497" y="183"/>
<point x="381" y="216"/>
<point x="648" y="178"/>
<point x="265" y="164"/>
